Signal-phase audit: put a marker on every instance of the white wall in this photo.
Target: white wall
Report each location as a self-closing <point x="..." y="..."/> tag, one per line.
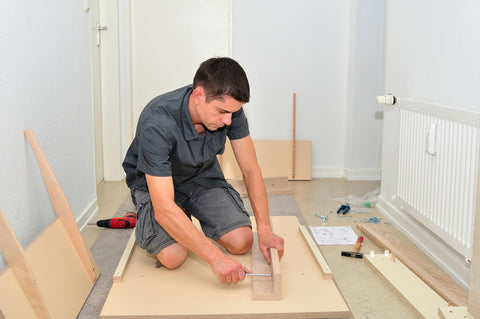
<point x="45" y="84"/>
<point x="431" y="58"/>
<point x="304" y="47"/>
<point x="365" y="80"/>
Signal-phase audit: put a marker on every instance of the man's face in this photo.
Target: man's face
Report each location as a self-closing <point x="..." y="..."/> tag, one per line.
<point x="217" y="113"/>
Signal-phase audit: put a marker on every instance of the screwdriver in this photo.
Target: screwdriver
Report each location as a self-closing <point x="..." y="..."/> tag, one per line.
<point x="264" y="275"/>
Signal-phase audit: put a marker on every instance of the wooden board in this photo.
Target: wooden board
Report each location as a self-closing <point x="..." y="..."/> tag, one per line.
<point x="59" y="275"/>
<point x="273" y="186"/>
<point x="446" y="287"/>
<point x="415" y="292"/>
<point x="274" y="158"/>
<point x="62" y="207"/>
<point x="193" y="290"/>
<point x="454" y="313"/>
<point x="265" y="288"/>
<point x="322" y="263"/>
<point x="118" y="274"/>
<point x="15" y="256"/>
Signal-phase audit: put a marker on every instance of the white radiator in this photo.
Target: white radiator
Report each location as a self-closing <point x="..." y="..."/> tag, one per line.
<point x="438" y="160"/>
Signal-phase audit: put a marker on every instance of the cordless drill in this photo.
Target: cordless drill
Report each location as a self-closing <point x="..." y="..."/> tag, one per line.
<point x="127" y="221"/>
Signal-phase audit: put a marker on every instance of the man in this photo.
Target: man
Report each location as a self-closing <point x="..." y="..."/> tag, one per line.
<point x="173" y="173"/>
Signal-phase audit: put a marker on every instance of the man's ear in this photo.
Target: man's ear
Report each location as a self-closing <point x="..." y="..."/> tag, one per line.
<point x="198" y="94"/>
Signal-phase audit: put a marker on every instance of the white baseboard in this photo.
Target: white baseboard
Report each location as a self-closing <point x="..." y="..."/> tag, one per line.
<point x="363" y="174"/>
<point x="439" y="252"/>
<point x="87" y="215"/>
<point x="330" y="172"/>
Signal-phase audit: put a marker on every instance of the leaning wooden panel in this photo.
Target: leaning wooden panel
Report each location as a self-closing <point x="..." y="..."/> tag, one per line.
<point x="193" y="291"/>
<point x="62" y="207"/>
<point x="17" y="261"/>
<point x="59" y="273"/>
<point x="274" y="158"/>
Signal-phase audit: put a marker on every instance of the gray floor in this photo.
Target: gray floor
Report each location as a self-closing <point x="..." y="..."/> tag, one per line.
<point x="367" y="295"/>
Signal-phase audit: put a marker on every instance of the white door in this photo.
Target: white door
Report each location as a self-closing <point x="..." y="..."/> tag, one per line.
<point x="170" y="38"/>
<point x="149" y="48"/>
<point x="97" y="91"/>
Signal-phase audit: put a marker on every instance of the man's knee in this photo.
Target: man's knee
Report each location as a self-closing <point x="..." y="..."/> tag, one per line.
<point x="238" y="241"/>
<point x="173" y="256"/>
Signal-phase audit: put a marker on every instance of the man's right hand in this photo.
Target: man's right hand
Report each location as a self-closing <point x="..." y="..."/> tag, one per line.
<point x="228" y="270"/>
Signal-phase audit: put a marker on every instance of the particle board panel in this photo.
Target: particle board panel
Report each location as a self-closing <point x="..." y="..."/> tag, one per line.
<point x="59" y="275"/>
<point x="62" y="207"/>
<point x="422" y="299"/>
<point x="454" y="313"/>
<point x="275" y="159"/>
<point x="446" y="287"/>
<point x="193" y="290"/>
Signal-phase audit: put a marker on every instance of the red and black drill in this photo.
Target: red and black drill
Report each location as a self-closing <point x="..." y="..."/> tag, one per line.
<point x="127" y="221"/>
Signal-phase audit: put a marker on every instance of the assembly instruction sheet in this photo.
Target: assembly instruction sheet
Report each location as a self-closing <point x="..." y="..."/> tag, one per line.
<point x="334" y="235"/>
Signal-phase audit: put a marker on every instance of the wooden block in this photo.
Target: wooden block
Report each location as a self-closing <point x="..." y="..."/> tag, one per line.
<point x="421" y="266"/>
<point x="273" y="186"/>
<point x="13" y="252"/>
<point x="265" y="288"/>
<point x="160" y="293"/>
<point x="62" y="207"/>
<point x="454" y="313"/>
<point x="276" y="271"/>
<point x="274" y="158"/>
<point x="59" y="275"/>
<point x="118" y="274"/>
<point x="414" y="291"/>
<point x="326" y="272"/>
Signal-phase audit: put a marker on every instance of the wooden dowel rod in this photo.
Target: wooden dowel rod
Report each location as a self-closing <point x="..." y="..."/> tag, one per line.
<point x="293" y="133"/>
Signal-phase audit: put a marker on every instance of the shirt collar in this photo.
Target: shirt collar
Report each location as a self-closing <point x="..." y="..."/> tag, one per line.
<point x="189" y="131"/>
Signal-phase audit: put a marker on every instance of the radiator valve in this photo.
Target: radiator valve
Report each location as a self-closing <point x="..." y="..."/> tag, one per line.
<point x="387" y="99"/>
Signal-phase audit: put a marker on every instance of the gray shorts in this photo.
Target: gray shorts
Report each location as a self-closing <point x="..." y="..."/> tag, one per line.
<point x="219" y="210"/>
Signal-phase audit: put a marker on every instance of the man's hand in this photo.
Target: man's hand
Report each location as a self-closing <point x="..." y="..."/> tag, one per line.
<point x="228" y="270"/>
<point x="267" y="240"/>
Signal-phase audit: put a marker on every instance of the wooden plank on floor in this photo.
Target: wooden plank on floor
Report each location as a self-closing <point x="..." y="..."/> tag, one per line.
<point x="414" y="291"/>
<point x="274" y="158"/>
<point x="149" y="292"/>
<point x="433" y="276"/>
<point x="265" y="288"/>
<point x="273" y="186"/>
<point x="62" y="207"/>
<point x="118" y="274"/>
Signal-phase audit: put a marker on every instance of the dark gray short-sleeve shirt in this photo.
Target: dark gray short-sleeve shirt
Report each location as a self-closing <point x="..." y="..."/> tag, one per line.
<point x="166" y="144"/>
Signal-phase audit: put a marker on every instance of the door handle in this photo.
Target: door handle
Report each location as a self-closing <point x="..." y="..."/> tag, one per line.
<point x="98" y="29"/>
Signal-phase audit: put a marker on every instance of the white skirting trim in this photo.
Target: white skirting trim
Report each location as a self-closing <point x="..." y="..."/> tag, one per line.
<point x="327" y="172"/>
<point x="363" y="174"/>
<point x="439" y="252"/>
<point x="87" y="215"/>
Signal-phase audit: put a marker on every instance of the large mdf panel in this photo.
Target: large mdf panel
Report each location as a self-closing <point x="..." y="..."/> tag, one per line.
<point x="275" y="159"/>
<point x="193" y="291"/>
<point x="59" y="275"/>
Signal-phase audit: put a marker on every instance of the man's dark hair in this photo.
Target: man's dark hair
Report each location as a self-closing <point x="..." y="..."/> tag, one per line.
<point x="222" y="76"/>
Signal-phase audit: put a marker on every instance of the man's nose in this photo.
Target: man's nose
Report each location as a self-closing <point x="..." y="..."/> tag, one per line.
<point x="227" y="119"/>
